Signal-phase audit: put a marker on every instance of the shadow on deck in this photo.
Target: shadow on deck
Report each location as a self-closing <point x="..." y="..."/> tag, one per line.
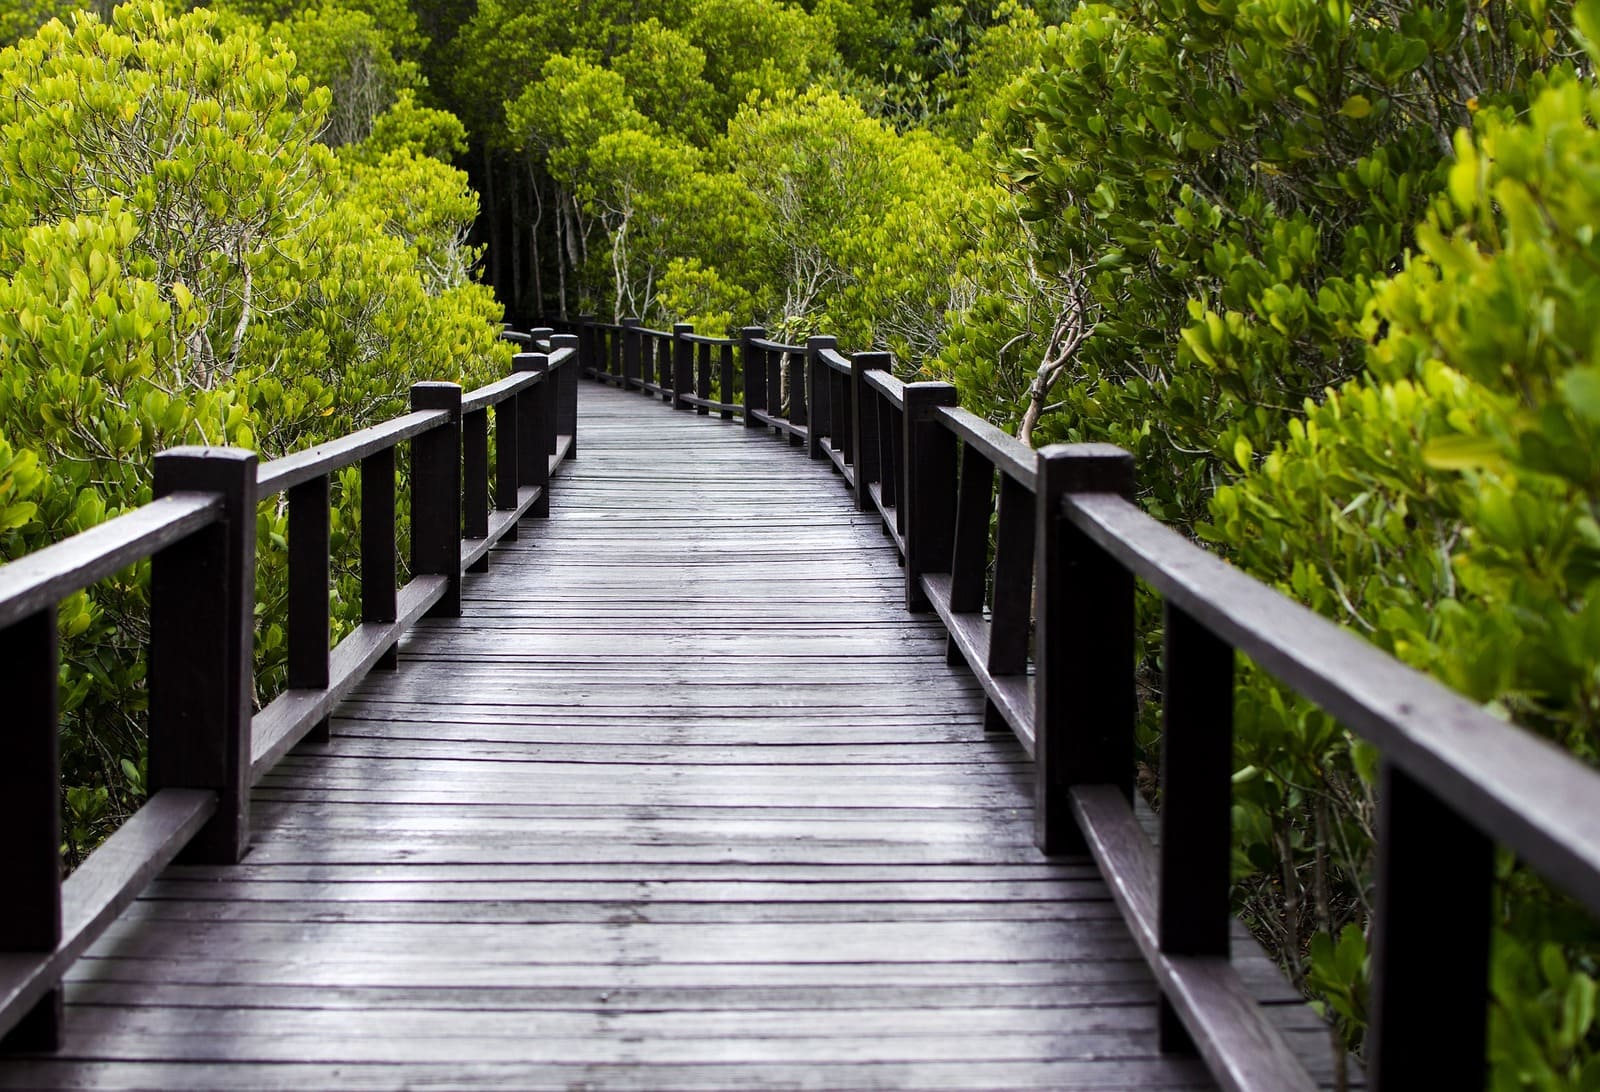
<point x="686" y="799"/>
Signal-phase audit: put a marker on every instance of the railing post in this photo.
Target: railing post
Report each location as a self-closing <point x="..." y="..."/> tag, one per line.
<point x="378" y="552"/>
<point x="30" y="812"/>
<point x="1428" y="1012"/>
<point x="682" y="365"/>
<point x="1084" y="697"/>
<point x="202" y="624"/>
<point x="309" y="571"/>
<point x="475" y="480"/>
<point x="930" y="468"/>
<point x="436" y="495"/>
<point x="754" y="363"/>
<point x="632" y="344"/>
<point x="864" y="422"/>
<point x="1196" y="800"/>
<point x="816" y="379"/>
<point x="567" y="390"/>
<point x="1013" y="586"/>
<point x="533" y="424"/>
<point x="841" y="426"/>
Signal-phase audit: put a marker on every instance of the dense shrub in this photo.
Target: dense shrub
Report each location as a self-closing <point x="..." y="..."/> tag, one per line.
<point x="182" y="261"/>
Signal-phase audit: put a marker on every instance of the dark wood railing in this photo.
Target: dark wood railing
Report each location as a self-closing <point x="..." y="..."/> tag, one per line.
<point x="1051" y="636"/>
<point x="206" y="750"/>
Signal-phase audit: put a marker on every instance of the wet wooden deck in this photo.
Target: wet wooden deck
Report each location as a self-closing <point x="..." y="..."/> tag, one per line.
<point x="686" y="800"/>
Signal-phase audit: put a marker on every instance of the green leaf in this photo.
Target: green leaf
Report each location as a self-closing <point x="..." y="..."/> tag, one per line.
<point x="1356" y="106"/>
<point x="1463" y="452"/>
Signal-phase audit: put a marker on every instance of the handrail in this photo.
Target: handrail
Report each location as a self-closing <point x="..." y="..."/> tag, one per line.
<point x="495" y="393"/>
<point x="777" y="346"/>
<point x="42" y="579"/>
<point x="835" y="360"/>
<point x="313" y="462"/>
<point x="1009" y="456"/>
<point x="886" y="384"/>
<point x="1029" y="559"/>
<point x="1535" y="798"/>
<point x="206" y="750"/>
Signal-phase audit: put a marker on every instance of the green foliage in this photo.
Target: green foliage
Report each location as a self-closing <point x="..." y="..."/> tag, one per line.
<point x="504" y="48"/>
<point x="409" y="127"/>
<point x="181" y="261"/>
<point x="396" y="19"/>
<point x="1445" y="502"/>
<point x="351" y="54"/>
<point x="854" y="223"/>
<point x="1002" y="50"/>
<point x="20" y="18"/>
<point x="1225" y="181"/>
<point x="1210" y="208"/>
<point x="665" y="74"/>
<point x="757" y="47"/>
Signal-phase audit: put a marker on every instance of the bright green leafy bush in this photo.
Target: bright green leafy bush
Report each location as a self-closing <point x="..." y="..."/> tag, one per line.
<point x="182" y="261"/>
<point x="1445" y="503"/>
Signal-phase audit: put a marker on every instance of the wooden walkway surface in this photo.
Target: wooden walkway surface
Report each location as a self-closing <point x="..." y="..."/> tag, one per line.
<point x="686" y="800"/>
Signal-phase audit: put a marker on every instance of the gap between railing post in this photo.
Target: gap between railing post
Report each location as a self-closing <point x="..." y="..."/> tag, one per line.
<point x="30" y="811"/>
<point x="793" y="382"/>
<point x="864" y="422"/>
<point x="725" y="380"/>
<point x="475" y="480"/>
<point x="658" y="366"/>
<point x="379" y="556"/>
<point x="930" y="474"/>
<point x="1430" y="942"/>
<point x="1084" y="697"/>
<point x="309" y="571"/>
<point x="702" y="378"/>
<point x="754" y="363"/>
<point x="202" y="622"/>
<point x="436" y="495"/>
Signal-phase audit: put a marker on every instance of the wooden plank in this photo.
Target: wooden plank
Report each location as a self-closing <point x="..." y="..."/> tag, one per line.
<point x="1057" y="1075"/>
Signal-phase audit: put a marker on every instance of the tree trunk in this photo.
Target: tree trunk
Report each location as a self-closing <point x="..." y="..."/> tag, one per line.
<point x="513" y="244"/>
<point x="491" y="219"/>
<point x="533" y="248"/>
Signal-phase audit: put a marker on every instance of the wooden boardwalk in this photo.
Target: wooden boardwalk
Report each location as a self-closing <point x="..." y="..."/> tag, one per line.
<point x="686" y="800"/>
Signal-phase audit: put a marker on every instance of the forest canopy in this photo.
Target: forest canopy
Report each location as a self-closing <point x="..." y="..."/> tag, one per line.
<point x="1326" y="267"/>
